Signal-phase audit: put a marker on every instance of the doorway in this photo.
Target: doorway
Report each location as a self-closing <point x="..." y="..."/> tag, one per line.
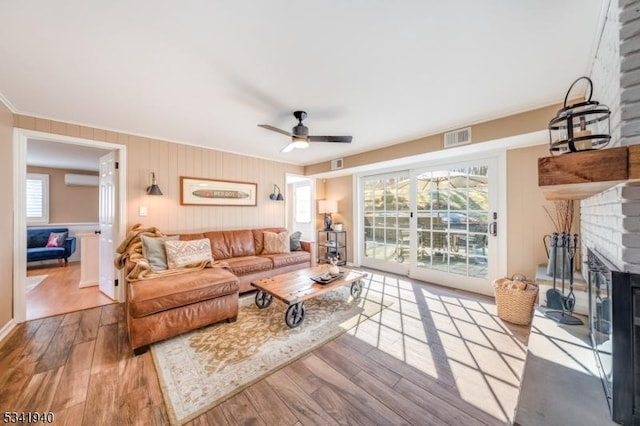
<point x="437" y="223"/>
<point x="21" y="138"/>
<point x="300" y="211"/>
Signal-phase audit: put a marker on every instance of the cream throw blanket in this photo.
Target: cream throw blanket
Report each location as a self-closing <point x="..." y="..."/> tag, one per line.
<point x="131" y="250"/>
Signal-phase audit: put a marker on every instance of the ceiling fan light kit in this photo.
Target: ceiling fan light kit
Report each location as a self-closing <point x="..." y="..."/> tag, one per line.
<point x="299" y="134"/>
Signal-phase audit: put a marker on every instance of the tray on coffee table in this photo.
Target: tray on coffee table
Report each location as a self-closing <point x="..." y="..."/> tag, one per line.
<point x="326" y="279"/>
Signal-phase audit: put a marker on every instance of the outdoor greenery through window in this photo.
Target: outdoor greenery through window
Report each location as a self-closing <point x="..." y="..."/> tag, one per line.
<point x="37" y="196"/>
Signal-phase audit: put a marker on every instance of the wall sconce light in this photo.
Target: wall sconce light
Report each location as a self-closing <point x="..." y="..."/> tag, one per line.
<point x="154" y="189"/>
<point x="584" y="126"/>
<point x="276" y="195"/>
<point x="327" y="207"/>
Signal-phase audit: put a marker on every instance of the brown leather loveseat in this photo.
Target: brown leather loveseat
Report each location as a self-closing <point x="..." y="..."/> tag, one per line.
<point x="165" y="306"/>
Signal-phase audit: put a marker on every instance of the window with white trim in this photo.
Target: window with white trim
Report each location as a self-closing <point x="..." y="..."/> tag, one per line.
<point x="37" y="198"/>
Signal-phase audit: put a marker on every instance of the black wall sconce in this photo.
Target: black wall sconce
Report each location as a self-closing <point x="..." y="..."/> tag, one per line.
<point x="584" y="126"/>
<point x="276" y="195"/>
<point x="154" y="189"/>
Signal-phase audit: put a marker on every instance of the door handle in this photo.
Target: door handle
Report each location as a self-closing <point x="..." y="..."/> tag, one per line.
<point x="97" y="232"/>
<point x="493" y="226"/>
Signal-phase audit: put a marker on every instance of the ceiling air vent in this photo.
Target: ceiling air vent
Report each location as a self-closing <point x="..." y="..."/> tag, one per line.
<point x="336" y="164"/>
<point x="457" y="137"/>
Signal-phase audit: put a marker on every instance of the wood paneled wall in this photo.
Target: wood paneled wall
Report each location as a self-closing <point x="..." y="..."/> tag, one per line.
<point x="170" y="161"/>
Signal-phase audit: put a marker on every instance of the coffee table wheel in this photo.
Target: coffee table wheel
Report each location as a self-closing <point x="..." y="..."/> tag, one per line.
<point x="263" y="300"/>
<point x="356" y="289"/>
<point x="294" y="315"/>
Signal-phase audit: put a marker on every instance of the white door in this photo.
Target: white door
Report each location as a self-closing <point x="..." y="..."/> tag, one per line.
<point x="108" y="221"/>
<point x="455" y="225"/>
<point x="386" y="205"/>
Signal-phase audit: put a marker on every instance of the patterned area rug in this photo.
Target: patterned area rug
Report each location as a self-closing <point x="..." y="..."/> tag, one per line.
<point x="200" y="369"/>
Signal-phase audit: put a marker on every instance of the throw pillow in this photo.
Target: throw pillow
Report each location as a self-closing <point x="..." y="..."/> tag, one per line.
<point x="56" y="239"/>
<point x="294" y="241"/>
<point x="276" y="243"/>
<point x="185" y="253"/>
<point x="154" y="251"/>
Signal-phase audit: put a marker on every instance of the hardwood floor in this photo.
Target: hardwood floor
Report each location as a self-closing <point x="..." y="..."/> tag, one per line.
<point x="434" y="357"/>
<point x="59" y="292"/>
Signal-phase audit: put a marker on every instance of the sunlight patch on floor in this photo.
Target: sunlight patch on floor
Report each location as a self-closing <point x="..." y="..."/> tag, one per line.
<point x="452" y="338"/>
<point x="475" y="389"/>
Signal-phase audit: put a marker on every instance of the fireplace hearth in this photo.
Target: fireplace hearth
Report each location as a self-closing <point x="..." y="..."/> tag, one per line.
<point x="614" y="328"/>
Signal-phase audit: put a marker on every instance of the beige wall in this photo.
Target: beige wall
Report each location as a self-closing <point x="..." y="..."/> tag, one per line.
<point x="170" y="161"/>
<point x="341" y="189"/>
<point x="527" y="222"/>
<point x="6" y="216"/>
<point x="69" y="204"/>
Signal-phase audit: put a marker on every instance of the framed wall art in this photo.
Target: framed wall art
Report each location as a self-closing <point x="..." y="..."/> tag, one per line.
<point x="215" y="192"/>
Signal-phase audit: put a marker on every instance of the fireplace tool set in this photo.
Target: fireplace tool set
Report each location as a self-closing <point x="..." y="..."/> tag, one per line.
<point x="564" y="246"/>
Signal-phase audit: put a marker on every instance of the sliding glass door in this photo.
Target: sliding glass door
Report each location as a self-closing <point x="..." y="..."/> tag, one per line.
<point x="386" y="223"/>
<point x="436" y="224"/>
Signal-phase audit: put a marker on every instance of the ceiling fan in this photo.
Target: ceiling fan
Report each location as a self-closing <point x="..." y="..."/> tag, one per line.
<point x="300" y="137"/>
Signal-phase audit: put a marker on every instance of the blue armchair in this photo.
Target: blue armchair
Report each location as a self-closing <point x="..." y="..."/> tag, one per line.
<point x="36" y="245"/>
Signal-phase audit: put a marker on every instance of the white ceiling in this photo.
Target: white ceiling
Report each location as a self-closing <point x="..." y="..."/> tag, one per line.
<point x="45" y="153"/>
<point x="207" y="72"/>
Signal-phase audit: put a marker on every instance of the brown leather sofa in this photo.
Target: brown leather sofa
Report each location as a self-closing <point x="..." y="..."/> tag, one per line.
<point x="164" y="307"/>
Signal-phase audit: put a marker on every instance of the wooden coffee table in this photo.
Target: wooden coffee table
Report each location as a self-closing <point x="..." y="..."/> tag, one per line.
<point x="293" y="288"/>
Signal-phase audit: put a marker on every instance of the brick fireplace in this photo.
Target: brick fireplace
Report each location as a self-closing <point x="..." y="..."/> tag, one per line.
<point x="610" y="220"/>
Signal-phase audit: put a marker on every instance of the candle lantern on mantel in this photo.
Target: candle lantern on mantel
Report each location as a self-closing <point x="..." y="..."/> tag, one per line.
<point x="584" y="126"/>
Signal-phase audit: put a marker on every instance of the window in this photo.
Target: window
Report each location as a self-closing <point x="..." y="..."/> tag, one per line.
<point x="303" y="204"/>
<point x="37" y="198"/>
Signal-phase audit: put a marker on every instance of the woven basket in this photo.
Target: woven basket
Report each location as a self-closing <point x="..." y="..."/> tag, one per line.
<point x="515" y="299"/>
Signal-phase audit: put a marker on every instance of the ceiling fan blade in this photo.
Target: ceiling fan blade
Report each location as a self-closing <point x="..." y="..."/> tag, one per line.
<point x="274" y="129"/>
<point x="343" y="139"/>
<point x="288" y="148"/>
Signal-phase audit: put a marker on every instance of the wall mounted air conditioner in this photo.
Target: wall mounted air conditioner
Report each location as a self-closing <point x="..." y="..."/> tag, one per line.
<point x="71" y="179"/>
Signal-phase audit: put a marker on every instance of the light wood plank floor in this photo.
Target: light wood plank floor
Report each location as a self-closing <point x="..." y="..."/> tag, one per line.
<point x="434" y="357"/>
<point x="59" y="292"/>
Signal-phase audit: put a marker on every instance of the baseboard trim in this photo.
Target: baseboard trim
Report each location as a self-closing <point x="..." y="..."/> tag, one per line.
<point x="4" y="332"/>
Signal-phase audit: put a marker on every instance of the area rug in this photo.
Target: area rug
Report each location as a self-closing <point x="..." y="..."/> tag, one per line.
<point x="202" y="368"/>
<point x="33" y="281"/>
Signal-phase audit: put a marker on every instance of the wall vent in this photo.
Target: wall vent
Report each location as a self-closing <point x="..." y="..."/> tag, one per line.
<point x="457" y="137"/>
<point x="71" y="179"/>
<point x="336" y="164"/>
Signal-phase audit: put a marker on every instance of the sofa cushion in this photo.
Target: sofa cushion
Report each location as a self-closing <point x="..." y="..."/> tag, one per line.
<point x="294" y="241"/>
<point x="147" y="297"/>
<point x="248" y="264"/>
<point x="276" y="243"/>
<point x="184" y="253"/>
<point x="153" y="249"/>
<point x="56" y="239"/>
<point x="258" y="238"/>
<point x="286" y="259"/>
<point x="227" y="244"/>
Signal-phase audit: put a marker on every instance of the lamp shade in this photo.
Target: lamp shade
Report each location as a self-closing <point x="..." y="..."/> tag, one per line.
<point x="327" y="206"/>
<point x="153" y="189"/>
